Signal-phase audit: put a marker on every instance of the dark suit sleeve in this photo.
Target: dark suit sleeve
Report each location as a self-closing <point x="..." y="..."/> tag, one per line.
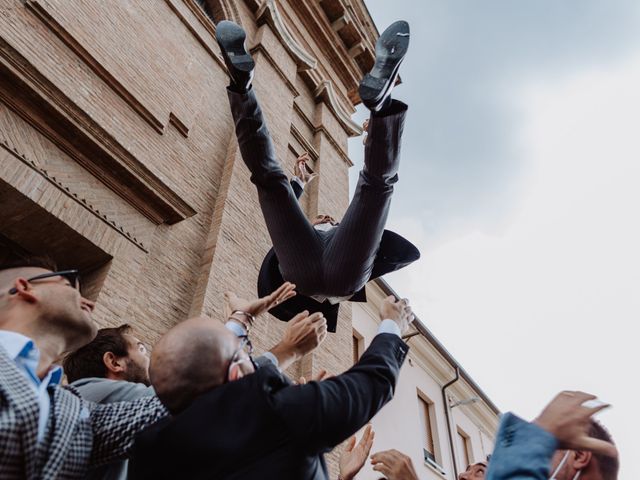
<point x="297" y="189"/>
<point x="323" y="414"/>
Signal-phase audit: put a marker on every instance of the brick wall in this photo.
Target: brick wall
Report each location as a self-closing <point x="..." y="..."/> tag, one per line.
<point x="115" y="127"/>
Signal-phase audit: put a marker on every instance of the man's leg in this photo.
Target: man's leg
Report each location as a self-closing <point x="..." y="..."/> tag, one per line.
<point x="297" y="246"/>
<point x="349" y="257"/>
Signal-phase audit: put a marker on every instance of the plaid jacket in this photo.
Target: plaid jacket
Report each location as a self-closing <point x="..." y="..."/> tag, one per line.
<point x="78" y="434"/>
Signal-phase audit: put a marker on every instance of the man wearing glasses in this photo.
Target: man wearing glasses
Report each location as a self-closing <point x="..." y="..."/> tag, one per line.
<point x="231" y="421"/>
<point x="114" y="367"/>
<point x="47" y="431"/>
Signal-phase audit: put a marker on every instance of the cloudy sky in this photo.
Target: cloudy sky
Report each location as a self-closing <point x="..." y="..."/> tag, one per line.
<point x="520" y="183"/>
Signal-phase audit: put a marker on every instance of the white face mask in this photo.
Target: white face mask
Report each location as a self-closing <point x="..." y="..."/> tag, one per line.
<point x="559" y="467"/>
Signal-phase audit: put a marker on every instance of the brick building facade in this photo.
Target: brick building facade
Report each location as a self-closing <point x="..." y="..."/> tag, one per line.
<point x="118" y="156"/>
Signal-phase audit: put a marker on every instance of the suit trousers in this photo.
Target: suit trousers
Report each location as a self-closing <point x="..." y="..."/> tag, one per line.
<point x="337" y="262"/>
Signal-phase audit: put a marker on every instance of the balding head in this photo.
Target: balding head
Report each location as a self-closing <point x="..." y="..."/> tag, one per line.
<point x="192" y="358"/>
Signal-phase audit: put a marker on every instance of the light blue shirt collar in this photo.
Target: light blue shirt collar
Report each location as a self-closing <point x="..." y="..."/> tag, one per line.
<point x="26" y="356"/>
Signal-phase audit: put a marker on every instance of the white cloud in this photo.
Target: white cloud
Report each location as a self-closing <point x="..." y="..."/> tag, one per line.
<point x="553" y="302"/>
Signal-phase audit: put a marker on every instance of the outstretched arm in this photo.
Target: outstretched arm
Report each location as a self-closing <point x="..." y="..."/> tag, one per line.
<point x="116" y="424"/>
<point x="524" y="450"/>
<point x="323" y="414"/>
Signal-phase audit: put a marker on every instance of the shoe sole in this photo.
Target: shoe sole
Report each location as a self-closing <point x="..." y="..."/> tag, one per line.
<point x="391" y="49"/>
<point x="231" y="39"/>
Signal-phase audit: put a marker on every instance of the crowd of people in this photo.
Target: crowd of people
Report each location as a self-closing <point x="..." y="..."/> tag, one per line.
<point x="201" y="404"/>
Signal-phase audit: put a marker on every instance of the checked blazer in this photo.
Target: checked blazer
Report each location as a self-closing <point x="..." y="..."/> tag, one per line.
<point x="78" y="433"/>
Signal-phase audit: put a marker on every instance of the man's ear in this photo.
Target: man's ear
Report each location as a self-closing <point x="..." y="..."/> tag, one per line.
<point x="235" y="373"/>
<point x="581" y="458"/>
<point x="113" y="363"/>
<point x="24" y="290"/>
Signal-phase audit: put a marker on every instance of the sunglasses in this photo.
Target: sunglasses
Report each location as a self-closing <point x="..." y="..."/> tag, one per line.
<point x="72" y="276"/>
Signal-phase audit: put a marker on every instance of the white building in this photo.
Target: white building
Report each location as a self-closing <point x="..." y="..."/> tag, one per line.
<point x="439" y="416"/>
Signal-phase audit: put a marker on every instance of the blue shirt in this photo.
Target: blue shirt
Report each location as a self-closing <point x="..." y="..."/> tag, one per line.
<point x="26" y="355"/>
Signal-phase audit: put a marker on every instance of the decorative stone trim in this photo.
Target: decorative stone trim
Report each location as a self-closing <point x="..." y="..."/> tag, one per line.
<point x="268" y="13"/>
<point x="74" y="196"/>
<point x="326" y="92"/>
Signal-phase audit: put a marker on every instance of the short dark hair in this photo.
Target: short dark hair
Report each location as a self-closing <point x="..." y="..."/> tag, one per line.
<point x="608" y="466"/>
<point x="8" y="262"/>
<point x="87" y="361"/>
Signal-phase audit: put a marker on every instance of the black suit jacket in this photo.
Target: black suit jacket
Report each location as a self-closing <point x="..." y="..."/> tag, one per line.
<point x="395" y="253"/>
<point x="263" y="427"/>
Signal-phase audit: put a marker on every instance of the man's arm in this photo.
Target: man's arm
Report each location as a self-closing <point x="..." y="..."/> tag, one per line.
<point x="523" y="450"/>
<point x="115" y="425"/>
<point x="323" y="414"/>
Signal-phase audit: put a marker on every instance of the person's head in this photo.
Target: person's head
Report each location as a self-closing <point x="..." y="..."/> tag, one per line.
<point x="194" y="357"/>
<point x="584" y="465"/>
<point x="114" y="354"/>
<point x="474" y="471"/>
<point x="324" y="219"/>
<point x="43" y="303"/>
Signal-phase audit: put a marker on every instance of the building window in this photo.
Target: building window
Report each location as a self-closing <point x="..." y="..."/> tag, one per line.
<point x="426" y="424"/>
<point x="463" y="449"/>
<point x="357" y="343"/>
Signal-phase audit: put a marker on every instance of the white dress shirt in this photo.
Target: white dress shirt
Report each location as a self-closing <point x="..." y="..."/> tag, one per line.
<point x="24" y="352"/>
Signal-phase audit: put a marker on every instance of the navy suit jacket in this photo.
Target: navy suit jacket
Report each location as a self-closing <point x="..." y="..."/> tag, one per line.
<point x="395" y="252"/>
<point x="263" y="427"/>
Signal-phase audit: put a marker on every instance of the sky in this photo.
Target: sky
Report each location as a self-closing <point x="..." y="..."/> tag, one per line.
<point x="519" y="183"/>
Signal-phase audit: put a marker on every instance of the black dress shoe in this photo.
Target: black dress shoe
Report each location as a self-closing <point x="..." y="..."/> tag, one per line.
<point x="231" y="38"/>
<point x="391" y="48"/>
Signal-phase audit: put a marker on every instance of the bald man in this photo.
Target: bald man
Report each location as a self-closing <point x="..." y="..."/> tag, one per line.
<point x="233" y="422"/>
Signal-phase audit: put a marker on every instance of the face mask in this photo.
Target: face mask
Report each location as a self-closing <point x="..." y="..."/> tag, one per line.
<point x="559" y="467"/>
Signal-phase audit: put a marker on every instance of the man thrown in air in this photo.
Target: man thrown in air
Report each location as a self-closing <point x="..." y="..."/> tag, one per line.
<point x="328" y="263"/>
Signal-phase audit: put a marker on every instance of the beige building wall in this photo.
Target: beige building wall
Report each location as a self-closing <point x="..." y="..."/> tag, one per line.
<point x="401" y="424"/>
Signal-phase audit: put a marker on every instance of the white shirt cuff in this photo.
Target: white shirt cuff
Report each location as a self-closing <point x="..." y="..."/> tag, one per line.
<point x="389" y="326"/>
<point x="271" y="357"/>
<point x="298" y="181"/>
<point x="236" y="328"/>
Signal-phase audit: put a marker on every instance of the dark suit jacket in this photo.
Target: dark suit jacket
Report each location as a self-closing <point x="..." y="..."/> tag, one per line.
<point x="263" y="427"/>
<point x="395" y="253"/>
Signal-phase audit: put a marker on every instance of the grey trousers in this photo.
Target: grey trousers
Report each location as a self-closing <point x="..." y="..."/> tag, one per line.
<point x="338" y="262"/>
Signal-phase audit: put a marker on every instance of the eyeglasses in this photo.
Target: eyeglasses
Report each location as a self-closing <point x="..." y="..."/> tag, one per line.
<point x="72" y="276"/>
<point x="237" y="358"/>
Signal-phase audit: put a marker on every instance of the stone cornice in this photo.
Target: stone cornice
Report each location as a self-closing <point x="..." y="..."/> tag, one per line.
<point x="326" y="92"/>
<point x="83" y="202"/>
<point x="41" y="103"/>
<point x="268" y="13"/>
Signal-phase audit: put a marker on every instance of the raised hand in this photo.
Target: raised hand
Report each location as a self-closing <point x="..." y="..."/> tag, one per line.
<point x="301" y="170"/>
<point x="398" y="311"/>
<point x="303" y="334"/>
<point x="252" y="308"/>
<point x="353" y="456"/>
<point x="567" y="419"/>
<point x="394" y="465"/>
